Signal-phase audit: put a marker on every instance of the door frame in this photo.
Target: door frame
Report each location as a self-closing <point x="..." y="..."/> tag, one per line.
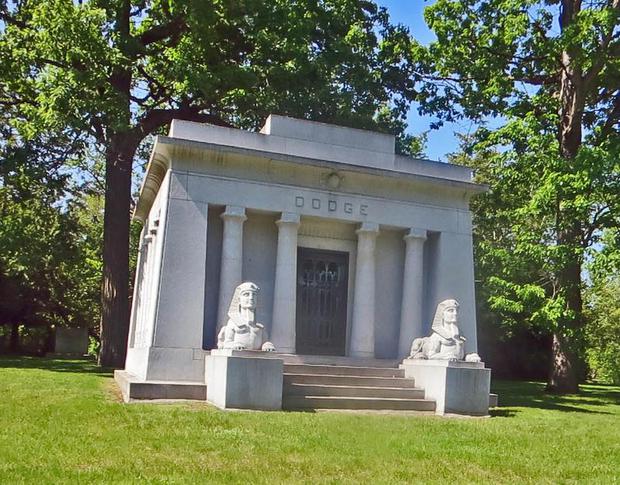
<point x="343" y="246"/>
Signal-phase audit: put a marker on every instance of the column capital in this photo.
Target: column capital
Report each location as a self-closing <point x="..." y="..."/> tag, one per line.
<point x="415" y="233"/>
<point x="370" y="228"/>
<point x="234" y="212"/>
<point x="289" y="218"/>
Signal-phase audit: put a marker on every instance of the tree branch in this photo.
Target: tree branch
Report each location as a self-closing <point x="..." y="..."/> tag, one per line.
<point x="603" y="51"/>
<point x="10" y="20"/>
<point x="613" y="116"/>
<point x="157" y="118"/>
<point x="160" y="32"/>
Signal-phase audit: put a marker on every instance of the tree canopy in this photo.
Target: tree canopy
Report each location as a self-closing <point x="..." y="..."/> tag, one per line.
<point x="50" y="249"/>
<point x="547" y="74"/>
<point x="116" y="71"/>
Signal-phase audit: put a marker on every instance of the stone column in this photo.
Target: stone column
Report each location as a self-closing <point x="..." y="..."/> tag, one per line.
<point x="232" y="259"/>
<point x="411" y="306"/>
<point x="285" y="290"/>
<point x="363" y="325"/>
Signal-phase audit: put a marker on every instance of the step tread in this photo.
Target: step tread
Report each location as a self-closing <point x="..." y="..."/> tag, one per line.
<point x="348" y="380"/>
<point x="322" y="366"/>
<point x="358" y="403"/>
<point x="343" y="370"/>
<point x="345" y="376"/>
<point x="358" y="398"/>
<point x="340" y="386"/>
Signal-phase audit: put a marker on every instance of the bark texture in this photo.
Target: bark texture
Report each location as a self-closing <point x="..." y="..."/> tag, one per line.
<point x="115" y="284"/>
<point x="563" y="376"/>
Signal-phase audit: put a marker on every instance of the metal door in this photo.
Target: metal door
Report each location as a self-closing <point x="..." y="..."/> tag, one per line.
<point x="322" y="284"/>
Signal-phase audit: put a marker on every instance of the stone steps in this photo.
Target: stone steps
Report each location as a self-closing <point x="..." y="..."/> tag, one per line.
<point x="335" y="360"/>
<point x="339" y="402"/>
<point x="347" y="380"/>
<point x="353" y="391"/>
<point x="343" y="370"/>
<point x="314" y="386"/>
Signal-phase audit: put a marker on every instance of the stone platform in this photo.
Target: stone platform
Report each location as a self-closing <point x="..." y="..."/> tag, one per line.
<point x="134" y="389"/>
<point x="457" y="387"/>
<point x="317" y="386"/>
<point x="332" y="382"/>
<point x="244" y="382"/>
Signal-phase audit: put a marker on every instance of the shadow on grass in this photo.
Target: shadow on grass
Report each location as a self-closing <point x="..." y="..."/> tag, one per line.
<point x="503" y="413"/>
<point x="76" y="366"/>
<point x="533" y="395"/>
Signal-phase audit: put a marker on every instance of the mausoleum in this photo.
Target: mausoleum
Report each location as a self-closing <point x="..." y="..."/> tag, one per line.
<point x="351" y="245"/>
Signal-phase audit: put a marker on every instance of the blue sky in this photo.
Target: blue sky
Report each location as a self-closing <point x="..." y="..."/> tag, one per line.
<point x="441" y="141"/>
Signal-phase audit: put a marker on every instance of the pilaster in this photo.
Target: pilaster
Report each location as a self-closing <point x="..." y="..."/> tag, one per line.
<point x="285" y="290"/>
<point x="413" y="291"/>
<point x="362" y="342"/>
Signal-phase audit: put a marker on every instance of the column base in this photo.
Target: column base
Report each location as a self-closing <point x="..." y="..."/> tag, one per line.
<point x="359" y="353"/>
<point x="284" y="350"/>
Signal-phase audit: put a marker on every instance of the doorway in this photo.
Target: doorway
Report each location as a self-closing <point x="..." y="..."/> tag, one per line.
<point x="322" y="286"/>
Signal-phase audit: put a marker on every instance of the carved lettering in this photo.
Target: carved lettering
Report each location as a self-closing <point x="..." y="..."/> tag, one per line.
<point x="332" y="205"/>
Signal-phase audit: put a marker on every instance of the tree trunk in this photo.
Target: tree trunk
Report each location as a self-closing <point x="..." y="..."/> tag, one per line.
<point x="14" y="339"/>
<point x="115" y="284"/>
<point x="563" y="375"/>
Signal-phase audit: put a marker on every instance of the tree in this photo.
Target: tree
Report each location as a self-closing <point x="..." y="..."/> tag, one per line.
<point x="119" y="70"/>
<point x="603" y="331"/>
<point x="553" y="162"/>
<point x="603" y="311"/>
<point x="47" y="273"/>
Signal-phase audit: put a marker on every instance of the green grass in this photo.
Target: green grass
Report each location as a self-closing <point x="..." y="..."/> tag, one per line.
<point x="62" y="422"/>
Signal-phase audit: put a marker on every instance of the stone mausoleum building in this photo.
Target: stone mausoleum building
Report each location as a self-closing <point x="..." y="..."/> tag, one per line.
<point x="352" y="246"/>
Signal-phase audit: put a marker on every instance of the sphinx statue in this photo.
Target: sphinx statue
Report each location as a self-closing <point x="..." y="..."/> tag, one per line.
<point x="242" y="331"/>
<point x="445" y="341"/>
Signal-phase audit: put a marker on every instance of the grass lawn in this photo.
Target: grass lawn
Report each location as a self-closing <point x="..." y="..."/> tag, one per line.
<point x="62" y="422"/>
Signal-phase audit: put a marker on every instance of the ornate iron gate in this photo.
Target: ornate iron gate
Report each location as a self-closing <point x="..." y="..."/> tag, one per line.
<point x="322" y="284"/>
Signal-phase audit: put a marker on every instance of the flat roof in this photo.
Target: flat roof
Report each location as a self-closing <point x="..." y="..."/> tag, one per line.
<point x="303" y="142"/>
<point x="319" y="141"/>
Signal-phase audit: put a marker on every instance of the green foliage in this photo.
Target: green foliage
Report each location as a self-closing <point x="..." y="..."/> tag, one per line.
<point x="94" y="345"/>
<point x="116" y="72"/>
<point x="49" y="245"/>
<point x="106" y="65"/>
<point x="603" y="311"/>
<point x="603" y="332"/>
<point x="552" y="158"/>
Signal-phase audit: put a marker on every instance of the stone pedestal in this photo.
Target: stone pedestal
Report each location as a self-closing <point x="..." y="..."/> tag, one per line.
<point x="457" y="387"/>
<point x="244" y="382"/>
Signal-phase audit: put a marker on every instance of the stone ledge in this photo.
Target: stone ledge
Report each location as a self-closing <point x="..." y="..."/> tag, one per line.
<point x="134" y="389"/>
<point x="459" y="364"/>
